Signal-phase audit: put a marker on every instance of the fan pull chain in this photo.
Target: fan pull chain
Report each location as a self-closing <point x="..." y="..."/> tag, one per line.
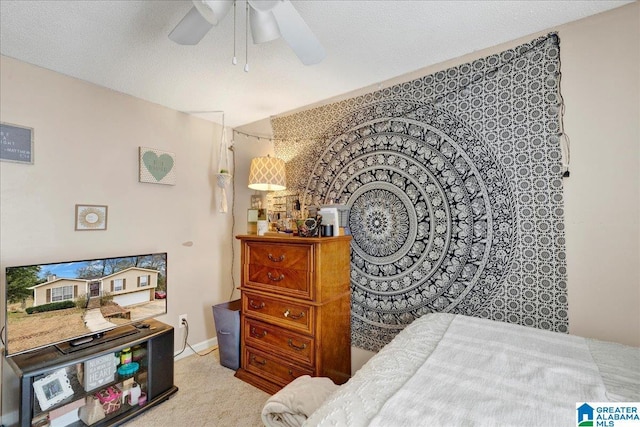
<point x="246" y="42"/>
<point x="234" y="61"/>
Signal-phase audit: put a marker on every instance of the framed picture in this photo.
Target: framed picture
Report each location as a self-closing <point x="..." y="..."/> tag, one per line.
<point x="256" y="201"/>
<point x="98" y="372"/>
<point x="91" y="217"/>
<point x="16" y="143"/>
<point x="156" y="167"/>
<point x="52" y="389"/>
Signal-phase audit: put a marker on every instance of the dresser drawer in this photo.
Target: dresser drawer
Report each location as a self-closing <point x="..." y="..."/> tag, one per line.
<point x="282" y="281"/>
<point x="297" y="257"/>
<point x="271" y="367"/>
<point x="281" y="269"/>
<point x="274" y="339"/>
<point x="291" y="315"/>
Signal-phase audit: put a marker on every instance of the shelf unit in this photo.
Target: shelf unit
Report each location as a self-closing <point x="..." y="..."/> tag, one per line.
<point x="154" y="345"/>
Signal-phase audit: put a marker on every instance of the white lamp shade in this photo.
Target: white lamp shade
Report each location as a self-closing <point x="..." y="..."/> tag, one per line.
<point x="267" y="174"/>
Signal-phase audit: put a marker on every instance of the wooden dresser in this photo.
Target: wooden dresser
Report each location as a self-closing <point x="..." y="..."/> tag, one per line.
<point x="295" y="317"/>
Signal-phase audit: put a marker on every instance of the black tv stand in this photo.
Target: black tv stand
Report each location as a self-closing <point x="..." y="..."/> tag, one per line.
<point x="152" y="349"/>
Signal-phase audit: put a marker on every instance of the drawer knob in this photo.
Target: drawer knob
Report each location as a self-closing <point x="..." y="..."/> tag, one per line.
<point x="288" y="314"/>
<point x="295" y="347"/>
<point x="274" y="278"/>
<point x="254" y="306"/>
<point x="255" y="333"/>
<point x="274" y="259"/>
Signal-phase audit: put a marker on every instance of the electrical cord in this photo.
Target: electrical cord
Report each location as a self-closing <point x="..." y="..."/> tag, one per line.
<point x="185" y="344"/>
<point x="565" y="142"/>
<point x="233" y="221"/>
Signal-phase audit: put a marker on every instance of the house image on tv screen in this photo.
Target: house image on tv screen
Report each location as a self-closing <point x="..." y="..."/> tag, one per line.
<point x="128" y="287"/>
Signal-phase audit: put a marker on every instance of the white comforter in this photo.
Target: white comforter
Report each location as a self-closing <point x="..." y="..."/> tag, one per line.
<point x="447" y="369"/>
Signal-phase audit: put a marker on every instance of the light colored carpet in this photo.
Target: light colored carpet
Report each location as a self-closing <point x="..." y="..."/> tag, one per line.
<point x="208" y="395"/>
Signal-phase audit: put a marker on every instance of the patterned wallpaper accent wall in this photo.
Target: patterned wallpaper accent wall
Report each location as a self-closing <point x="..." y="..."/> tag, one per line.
<point x="454" y="183"/>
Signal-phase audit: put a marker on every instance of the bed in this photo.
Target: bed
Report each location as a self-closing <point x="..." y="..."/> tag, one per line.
<point x="447" y="369"/>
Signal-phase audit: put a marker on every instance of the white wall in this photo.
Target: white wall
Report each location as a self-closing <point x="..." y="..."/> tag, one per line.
<point x="601" y="87"/>
<point x="86" y="151"/>
<point x="244" y="149"/>
<point x="600" y="67"/>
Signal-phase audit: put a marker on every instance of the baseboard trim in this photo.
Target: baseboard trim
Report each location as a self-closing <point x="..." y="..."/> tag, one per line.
<point x="10" y="418"/>
<point x="200" y="347"/>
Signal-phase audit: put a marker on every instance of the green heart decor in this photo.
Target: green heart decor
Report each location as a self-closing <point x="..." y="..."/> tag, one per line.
<point x="158" y="166"/>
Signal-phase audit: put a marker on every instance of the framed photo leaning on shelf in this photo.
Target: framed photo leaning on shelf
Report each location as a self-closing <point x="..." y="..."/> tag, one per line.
<point x="52" y="389"/>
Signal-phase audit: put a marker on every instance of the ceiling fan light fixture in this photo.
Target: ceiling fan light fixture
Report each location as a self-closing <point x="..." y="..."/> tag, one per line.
<point x="267" y="20"/>
<point x="191" y="29"/>
<point x="264" y="26"/>
<point x="213" y="10"/>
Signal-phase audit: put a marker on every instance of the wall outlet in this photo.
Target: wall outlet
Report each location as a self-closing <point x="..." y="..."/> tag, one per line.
<point x="182" y="320"/>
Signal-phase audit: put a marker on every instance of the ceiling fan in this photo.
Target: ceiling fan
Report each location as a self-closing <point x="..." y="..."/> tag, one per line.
<point x="268" y="20"/>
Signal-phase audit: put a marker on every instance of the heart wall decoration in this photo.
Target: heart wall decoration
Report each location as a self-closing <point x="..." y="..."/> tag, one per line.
<point x="157" y="167"/>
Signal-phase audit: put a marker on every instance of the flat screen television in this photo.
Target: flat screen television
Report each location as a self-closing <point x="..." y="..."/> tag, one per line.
<point x="72" y="304"/>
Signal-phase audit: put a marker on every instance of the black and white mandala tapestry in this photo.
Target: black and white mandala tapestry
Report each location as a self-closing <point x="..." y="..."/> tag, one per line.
<point x="454" y="186"/>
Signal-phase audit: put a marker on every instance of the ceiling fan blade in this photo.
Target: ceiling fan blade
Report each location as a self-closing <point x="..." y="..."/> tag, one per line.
<point x="195" y="25"/>
<point x="191" y="29"/>
<point x="297" y="33"/>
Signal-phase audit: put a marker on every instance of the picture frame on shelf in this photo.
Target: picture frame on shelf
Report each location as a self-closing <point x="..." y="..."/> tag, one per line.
<point x="256" y="201"/>
<point x="91" y="217"/>
<point x="98" y="372"/>
<point x="52" y="389"/>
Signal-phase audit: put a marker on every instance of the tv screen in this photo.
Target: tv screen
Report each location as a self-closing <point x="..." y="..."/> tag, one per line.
<point x="76" y="301"/>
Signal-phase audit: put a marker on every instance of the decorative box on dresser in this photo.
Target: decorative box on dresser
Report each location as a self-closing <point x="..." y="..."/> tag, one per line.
<point x="295" y="317"/>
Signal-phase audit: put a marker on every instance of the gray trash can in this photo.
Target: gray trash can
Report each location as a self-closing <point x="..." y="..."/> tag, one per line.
<point x="227" y="319"/>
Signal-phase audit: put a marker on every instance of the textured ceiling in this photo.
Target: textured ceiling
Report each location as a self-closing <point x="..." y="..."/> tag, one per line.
<point x="123" y="45"/>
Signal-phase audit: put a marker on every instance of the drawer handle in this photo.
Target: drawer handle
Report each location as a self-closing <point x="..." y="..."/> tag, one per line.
<point x="274" y="259"/>
<point x="255" y="334"/>
<point x="288" y="314"/>
<point x="295" y="347"/>
<point x="253" y="359"/>
<point x="274" y="278"/>
<point x="291" y="374"/>
<point x="254" y="306"/>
